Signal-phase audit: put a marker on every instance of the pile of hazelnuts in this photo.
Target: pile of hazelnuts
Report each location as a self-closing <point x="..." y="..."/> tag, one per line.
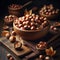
<point x="15" y="6"/>
<point x="12" y="39"/>
<point x="48" y="10"/>
<point x="43" y="57"/>
<point x="11" y="35"/>
<point x="46" y="54"/>
<point x="9" y="19"/>
<point x="31" y="22"/>
<point x="54" y="29"/>
<point x="41" y="45"/>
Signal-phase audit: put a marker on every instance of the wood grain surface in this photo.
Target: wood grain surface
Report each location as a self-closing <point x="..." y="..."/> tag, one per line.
<point x="10" y="46"/>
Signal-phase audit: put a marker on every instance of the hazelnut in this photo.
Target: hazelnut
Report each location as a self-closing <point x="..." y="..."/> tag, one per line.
<point x="17" y="45"/>
<point x="57" y="11"/>
<point x="45" y="19"/>
<point x="47" y="58"/>
<point x="12" y="39"/>
<point x="50" y="13"/>
<point x="8" y="56"/>
<point x="51" y="6"/>
<point x="13" y="33"/>
<point x="26" y="27"/>
<point x="22" y="28"/>
<point x="41" y="57"/>
<point x="49" y="10"/>
<point x="51" y="27"/>
<point x="53" y="12"/>
<point x="11" y="58"/>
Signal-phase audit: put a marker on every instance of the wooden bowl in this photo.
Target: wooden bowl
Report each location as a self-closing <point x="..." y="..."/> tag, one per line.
<point x="13" y="11"/>
<point x="49" y="16"/>
<point x="8" y="20"/>
<point x="31" y="34"/>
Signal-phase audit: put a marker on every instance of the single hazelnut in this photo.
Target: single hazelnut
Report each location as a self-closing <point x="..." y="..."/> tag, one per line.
<point x="12" y="39"/>
<point x="11" y="58"/>
<point x="5" y="27"/>
<point x="51" y="27"/>
<point x="13" y="33"/>
<point x="7" y="35"/>
<point x="55" y="29"/>
<point x="41" y="45"/>
<point x="9" y="55"/>
<point x="4" y="33"/>
<point x="47" y="58"/>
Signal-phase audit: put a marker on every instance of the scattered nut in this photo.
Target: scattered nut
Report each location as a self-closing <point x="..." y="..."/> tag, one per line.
<point x="41" y="45"/>
<point x="11" y="58"/>
<point x="8" y="56"/>
<point x="12" y="39"/>
<point x="7" y="35"/>
<point x="31" y="22"/>
<point x="5" y="27"/>
<point x="48" y="10"/>
<point x="4" y="33"/>
<point x="13" y="33"/>
<point x="41" y="57"/>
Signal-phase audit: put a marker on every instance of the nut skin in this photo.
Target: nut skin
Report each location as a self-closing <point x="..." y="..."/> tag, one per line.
<point x="15" y="6"/>
<point x="41" y="45"/>
<point x="48" y="11"/>
<point x="41" y="57"/>
<point x="4" y="32"/>
<point x="5" y="28"/>
<point x="47" y="58"/>
<point x="9" y="19"/>
<point x="12" y="39"/>
<point x="53" y="28"/>
<point x="9" y="56"/>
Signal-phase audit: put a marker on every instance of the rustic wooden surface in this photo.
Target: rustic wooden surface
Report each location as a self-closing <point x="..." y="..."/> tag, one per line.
<point x="10" y="46"/>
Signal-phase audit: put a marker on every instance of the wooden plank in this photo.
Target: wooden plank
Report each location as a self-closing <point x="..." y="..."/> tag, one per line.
<point x="10" y="46"/>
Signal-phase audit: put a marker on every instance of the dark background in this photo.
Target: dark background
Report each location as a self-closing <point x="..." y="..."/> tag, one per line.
<point x="4" y="4"/>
